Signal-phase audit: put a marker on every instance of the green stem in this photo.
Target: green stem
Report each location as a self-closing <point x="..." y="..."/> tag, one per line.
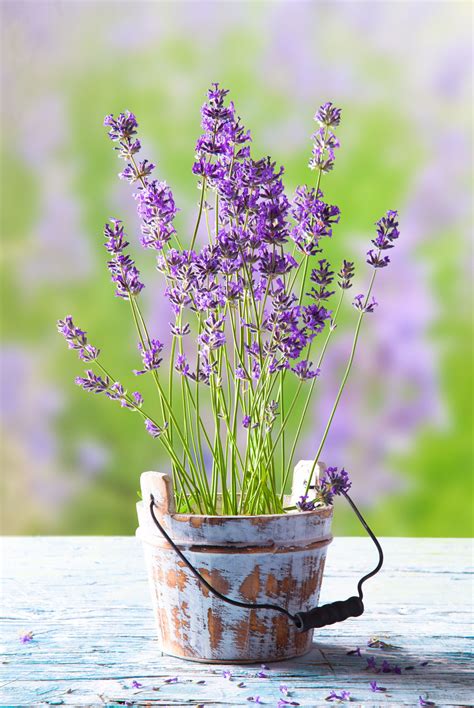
<point x="343" y="383"/>
<point x="308" y="397"/>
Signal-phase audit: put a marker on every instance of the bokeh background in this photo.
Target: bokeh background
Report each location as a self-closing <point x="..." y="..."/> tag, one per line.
<point x="402" y="73"/>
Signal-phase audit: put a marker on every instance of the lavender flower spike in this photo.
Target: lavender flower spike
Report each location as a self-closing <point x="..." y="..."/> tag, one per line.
<point x="77" y="339"/>
<point x="125" y="276"/>
<point x="387" y="233"/>
<point x="151" y="357"/>
<point x="121" y="128"/>
<point x="325" y="142"/>
<point x="155" y="203"/>
<point x="114" y="233"/>
<point x="358" y="303"/>
<point x="93" y="383"/>
<point x="332" y="482"/>
<point x="304" y="371"/>
<point x="115" y="391"/>
<point x="154" y="430"/>
<point x="328" y="115"/>
<point x="304" y="505"/>
<point x="345" y="275"/>
<point x="337" y="481"/>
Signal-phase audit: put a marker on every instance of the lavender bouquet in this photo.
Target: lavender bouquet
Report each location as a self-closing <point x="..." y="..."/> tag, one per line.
<point x="251" y="309"/>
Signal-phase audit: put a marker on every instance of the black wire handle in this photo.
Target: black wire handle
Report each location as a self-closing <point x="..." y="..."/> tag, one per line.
<point x="317" y="617"/>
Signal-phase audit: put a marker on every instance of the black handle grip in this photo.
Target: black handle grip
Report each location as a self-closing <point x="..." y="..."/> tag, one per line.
<point x="329" y="614"/>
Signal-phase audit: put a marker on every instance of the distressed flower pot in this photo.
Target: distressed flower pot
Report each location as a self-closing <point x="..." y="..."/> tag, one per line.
<point x="274" y="558"/>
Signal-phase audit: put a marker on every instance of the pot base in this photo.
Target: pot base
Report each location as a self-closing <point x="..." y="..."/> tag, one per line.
<point x="197" y="660"/>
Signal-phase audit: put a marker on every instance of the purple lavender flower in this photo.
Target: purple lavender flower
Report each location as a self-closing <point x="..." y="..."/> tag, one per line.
<point x="271" y="264"/>
<point x="123" y="127"/>
<point x="153" y="429"/>
<point x="240" y="374"/>
<point x="246" y="421"/>
<point x="155" y="203"/>
<point x="213" y="335"/>
<point x="331" y="482"/>
<point x="76" y="339"/>
<point x="136" y="684"/>
<point x="324" y="141"/>
<point x="304" y="371"/>
<point x="26" y="638"/>
<point x="424" y="702"/>
<point x="358" y="303"/>
<point x="345" y="275"/>
<point x="387" y="230"/>
<point x="138" y="398"/>
<point x="337" y="482"/>
<point x="322" y="276"/>
<point x="174" y="679"/>
<point x="284" y="689"/>
<point x="376" y="260"/>
<point x="181" y="365"/>
<point x="151" y="357"/>
<point x="314" y="220"/>
<point x="125" y="276"/>
<point x="93" y="383"/>
<point x="224" y="141"/>
<point x="227" y="674"/>
<point x="156" y="207"/>
<point x="375" y="688"/>
<point x="262" y="674"/>
<point x="113" y="390"/>
<point x="180" y="331"/>
<point x="372" y="664"/>
<point x="328" y="115"/>
<point x="114" y="233"/>
<point x="134" y="172"/>
<point x="341" y="697"/>
<point x="304" y="505"/>
<point x="323" y="155"/>
<point x="314" y="318"/>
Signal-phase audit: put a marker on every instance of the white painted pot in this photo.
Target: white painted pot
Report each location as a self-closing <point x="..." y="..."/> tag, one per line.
<point x="276" y="559"/>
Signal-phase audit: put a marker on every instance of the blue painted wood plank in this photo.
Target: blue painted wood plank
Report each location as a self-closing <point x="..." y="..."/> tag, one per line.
<point x="86" y="602"/>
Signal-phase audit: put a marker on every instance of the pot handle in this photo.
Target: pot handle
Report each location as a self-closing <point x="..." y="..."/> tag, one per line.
<point x="303" y="621"/>
<point x="329" y="614"/>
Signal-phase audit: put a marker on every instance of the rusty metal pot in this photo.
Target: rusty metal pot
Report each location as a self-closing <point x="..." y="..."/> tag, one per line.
<point x="273" y="558"/>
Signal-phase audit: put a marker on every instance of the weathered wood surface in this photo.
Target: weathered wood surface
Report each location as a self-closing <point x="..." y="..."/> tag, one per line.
<point x="86" y="601"/>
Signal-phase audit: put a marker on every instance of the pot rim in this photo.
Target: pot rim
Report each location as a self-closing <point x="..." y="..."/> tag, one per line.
<point x="294" y="512"/>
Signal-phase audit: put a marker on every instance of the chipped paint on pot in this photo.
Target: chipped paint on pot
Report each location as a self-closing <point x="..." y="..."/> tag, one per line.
<point x="273" y="558"/>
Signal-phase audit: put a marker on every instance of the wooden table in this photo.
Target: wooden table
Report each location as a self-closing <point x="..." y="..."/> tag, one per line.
<point x="86" y="602"/>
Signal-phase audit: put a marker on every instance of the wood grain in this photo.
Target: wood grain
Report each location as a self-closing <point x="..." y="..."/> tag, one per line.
<point x="86" y="601"/>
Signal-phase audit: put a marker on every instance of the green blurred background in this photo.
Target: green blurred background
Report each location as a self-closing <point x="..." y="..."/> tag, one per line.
<point x="402" y="73"/>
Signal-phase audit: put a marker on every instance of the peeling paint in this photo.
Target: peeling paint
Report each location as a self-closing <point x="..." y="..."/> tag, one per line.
<point x="250" y="588"/>
<point x="177" y="578"/>
<point x="215" y="579"/>
<point x="216" y="629"/>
